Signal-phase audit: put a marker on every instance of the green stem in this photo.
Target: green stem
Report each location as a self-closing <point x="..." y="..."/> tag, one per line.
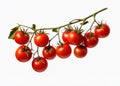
<point x="25" y="26"/>
<point x="96" y="21"/>
<point x="53" y="37"/>
<point x="84" y="19"/>
<point x="31" y="38"/>
<point x="38" y="51"/>
<point x="70" y="23"/>
<point x="59" y="36"/>
<point x="90" y="27"/>
<point x="95" y="13"/>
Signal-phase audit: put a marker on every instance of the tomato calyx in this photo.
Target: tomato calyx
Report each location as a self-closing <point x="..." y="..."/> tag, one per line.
<point x="82" y="45"/>
<point x="99" y="26"/>
<point x="25" y="49"/>
<point x="90" y="35"/>
<point x="49" y="48"/>
<point x="39" y="58"/>
<point x="40" y="32"/>
<point x="60" y="43"/>
<point x="68" y="28"/>
<point x="78" y="30"/>
<point x="24" y="32"/>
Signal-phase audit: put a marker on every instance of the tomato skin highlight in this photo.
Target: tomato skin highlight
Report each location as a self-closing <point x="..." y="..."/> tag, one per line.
<point x="39" y="64"/>
<point x="80" y="51"/>
<point x="91" y="39"/>
<point x="49" y="52"/>
<point x="23" y="53"/>
<point x="75" y="38"/>
<point x="102" y="31"/>
<point x="21" y="38"/>
<point x="63" y="51"/>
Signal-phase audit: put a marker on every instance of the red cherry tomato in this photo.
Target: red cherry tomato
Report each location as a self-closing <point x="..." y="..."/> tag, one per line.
<point x="80" y="51"/>
<point x="65" y="36"/>
<point x="21" y="38"/>
<point x="49" y="52"/>
<point x="41" y="39"/>
<point x="102" y="31"/>
<point x="75" y="38"/>
<point x="23" y="53"/>
<point x="63" y="51"/>
<point x="91" y="40"/>
<point x="39" y="64"/>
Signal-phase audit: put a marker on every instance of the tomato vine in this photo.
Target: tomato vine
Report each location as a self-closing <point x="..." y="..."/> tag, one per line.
<point x="77" y="36"/>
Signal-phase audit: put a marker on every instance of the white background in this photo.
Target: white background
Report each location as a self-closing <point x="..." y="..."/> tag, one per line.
<point x="101" y="66"/>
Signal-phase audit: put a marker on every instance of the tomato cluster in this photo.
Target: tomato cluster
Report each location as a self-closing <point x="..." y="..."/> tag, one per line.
<point x="88" y="40"/>
<point x="81" y="40"/>
<point x="69" y="37"/>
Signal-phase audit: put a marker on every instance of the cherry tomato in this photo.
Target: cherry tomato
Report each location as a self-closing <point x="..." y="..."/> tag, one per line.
<point x="91" y="40"/>
<point x="49" y="52"/>
<point x="80" y="51"/>
<point x="75" y="38"/>
<point x="39" y="64"/>
<point x="65" y="36"/>
<point x="63" y="51"/>
<point x="102" y="31"/>
<point x="41" y="39"/>
<point x="21" y="37"/>
<point x="23" y="53"/>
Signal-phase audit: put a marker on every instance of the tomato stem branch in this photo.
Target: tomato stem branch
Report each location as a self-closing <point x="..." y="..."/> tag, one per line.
<point x="70" y="23"/>
<point x="53" y="37"/>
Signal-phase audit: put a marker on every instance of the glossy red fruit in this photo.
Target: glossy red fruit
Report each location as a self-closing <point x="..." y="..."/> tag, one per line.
<point x="65" y="36"/>
<point x="39" y="64"/>
<point x="75" y="38"/>
<point x="23" y="53"/>
<point x="49" y="52"/>
<point x="41" y="39"/>
<point x="21" y="37"/>
<point x="102" y="31"/>
<point x="80" y="51"/>
<point x="63" y="51"/>
<point x="90" y="40"/>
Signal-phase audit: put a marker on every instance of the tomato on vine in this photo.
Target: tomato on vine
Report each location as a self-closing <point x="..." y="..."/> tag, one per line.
<point x="23" y="53"/>
<point x="80" y="51"/>
<point x="65" y="34"/>
<point x="39" y="64"/>
<point x="49" y="52"/>
<point x="102" y="30"/>
<point x="75" y="37"/>
<point x="41" y="39"/>
<point x="71" y="36"/>
<point x="90" y="40"/>
<point x="21" y="37"/>
<point x="63" y="51"/>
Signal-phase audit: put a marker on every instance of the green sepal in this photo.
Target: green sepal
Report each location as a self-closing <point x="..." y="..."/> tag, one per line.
<point x="33" y="26"/>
